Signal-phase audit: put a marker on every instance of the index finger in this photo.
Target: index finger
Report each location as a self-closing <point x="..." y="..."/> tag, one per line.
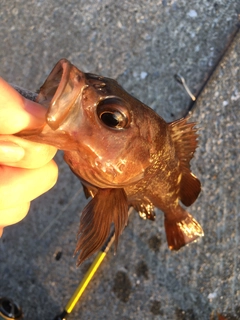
<point x="16" y="112"/>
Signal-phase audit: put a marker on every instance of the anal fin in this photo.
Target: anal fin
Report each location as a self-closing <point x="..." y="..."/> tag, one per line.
<point x="180" y="232"/>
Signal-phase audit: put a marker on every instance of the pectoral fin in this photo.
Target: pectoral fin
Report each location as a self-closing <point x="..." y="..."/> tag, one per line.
<point x="108" y="206"/>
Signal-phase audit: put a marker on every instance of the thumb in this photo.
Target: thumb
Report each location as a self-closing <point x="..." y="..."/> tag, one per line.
<point x="16" y="112"/>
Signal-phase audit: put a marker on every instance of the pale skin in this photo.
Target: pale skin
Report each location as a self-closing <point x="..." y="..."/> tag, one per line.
<point x="26" y="168"/>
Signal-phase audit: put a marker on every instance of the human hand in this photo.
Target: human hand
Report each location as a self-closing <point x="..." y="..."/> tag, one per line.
<point x="26" y="168"/>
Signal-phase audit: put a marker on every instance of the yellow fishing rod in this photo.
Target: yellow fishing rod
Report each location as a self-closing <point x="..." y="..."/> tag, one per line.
<point x="86" y="279"/>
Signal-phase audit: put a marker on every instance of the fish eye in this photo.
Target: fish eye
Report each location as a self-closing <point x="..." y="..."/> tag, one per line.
<point x="113" y="113"/>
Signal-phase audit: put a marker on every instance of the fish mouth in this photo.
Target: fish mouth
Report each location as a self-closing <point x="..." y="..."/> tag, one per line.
<point x="60" y="92"/>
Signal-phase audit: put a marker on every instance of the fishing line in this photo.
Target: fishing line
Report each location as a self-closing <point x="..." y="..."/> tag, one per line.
<point x="181" y="80"/>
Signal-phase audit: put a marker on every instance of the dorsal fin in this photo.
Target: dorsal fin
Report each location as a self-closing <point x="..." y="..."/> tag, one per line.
<point x="108" y="206"/>
<point x="184" y="137"/>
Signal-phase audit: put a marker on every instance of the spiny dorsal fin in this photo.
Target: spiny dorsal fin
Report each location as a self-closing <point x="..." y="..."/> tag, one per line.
<point x="184" y="137"/>
<point x="107" y="206"/>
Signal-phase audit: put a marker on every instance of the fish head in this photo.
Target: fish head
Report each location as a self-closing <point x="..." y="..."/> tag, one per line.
<point x="108" y="133"/>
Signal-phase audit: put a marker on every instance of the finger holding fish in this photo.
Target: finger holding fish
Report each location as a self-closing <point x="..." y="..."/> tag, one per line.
<point x="24" y="164"/>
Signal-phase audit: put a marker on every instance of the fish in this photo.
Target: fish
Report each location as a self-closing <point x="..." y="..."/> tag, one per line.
<point x="124" y="154"/>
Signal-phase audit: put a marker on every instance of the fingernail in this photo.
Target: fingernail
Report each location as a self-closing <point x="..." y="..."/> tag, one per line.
<point x="10" y="152"/>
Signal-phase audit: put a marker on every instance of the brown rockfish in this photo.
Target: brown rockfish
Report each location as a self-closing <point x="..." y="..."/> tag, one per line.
<point x="124" y="153"/>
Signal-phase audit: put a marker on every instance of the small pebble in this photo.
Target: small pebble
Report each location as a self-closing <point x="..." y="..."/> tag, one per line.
<point x="192" y="14"/>
<point x="143" y="75"/>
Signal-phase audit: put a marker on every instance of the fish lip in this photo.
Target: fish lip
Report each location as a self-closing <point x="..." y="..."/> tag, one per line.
<point x="71" y="83"/>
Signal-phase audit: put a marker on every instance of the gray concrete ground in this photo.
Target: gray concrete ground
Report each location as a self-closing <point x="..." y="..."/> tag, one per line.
<point x="142" y="44"/>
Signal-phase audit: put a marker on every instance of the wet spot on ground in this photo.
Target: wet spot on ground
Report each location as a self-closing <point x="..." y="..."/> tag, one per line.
<point x="142" y="269"/>
<point x="122" y="286"/>
<point x="185" y="314"/>
<point x="156" y="308"/>
<point x="154" y="243"/>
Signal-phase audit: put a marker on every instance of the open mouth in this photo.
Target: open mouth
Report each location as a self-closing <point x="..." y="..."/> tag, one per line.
<point x="60" y="91"/>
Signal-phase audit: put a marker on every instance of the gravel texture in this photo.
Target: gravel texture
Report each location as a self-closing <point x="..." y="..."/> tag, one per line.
<point x="142" y="44"/>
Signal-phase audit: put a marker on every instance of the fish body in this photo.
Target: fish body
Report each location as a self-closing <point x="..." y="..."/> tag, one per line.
<point x="124" y="153"/>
